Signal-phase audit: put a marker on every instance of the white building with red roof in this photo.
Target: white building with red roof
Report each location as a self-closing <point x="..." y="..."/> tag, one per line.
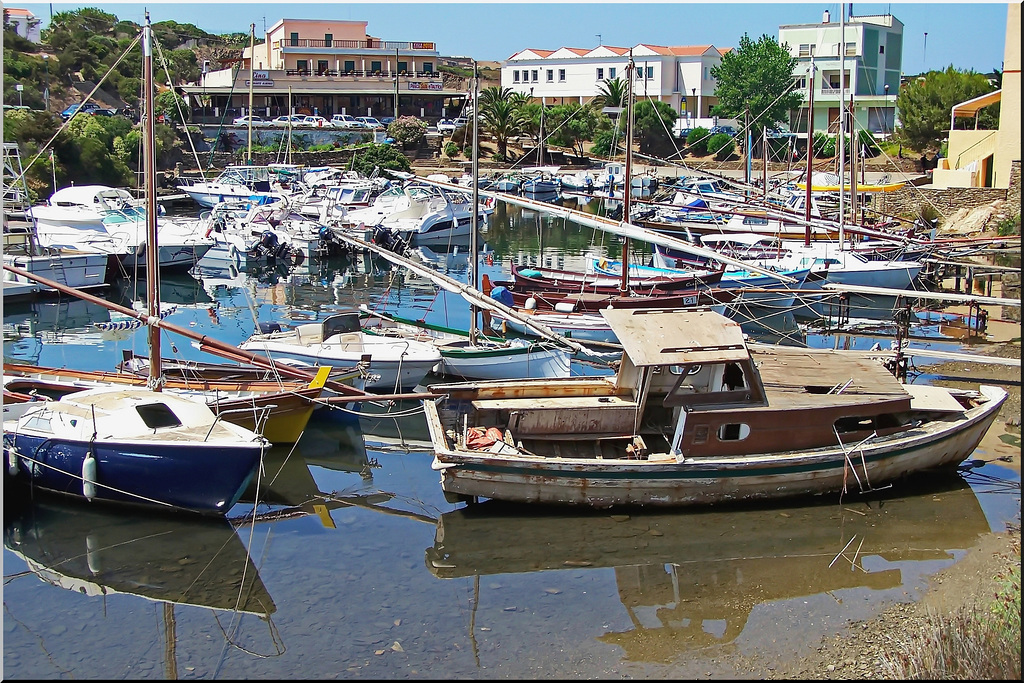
<point x="23" y="22"/>
<point x="680" y="75"/>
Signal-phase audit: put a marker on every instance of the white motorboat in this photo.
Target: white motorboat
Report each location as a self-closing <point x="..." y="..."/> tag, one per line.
<point x="393" y="364"/>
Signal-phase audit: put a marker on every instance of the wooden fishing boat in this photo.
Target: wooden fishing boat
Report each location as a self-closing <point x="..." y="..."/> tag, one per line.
<point x="551" y="279"/>
<point x="695" y="416"/>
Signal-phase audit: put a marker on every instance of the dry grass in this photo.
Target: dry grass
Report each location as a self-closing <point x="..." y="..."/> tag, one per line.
<point x="971" y="643"/>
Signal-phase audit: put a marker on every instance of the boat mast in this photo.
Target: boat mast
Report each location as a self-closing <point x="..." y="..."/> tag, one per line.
<point x="842" y="121"/>
<point x="627" y="185"/>
<point x="474" y="263"/>
<point x="252" y="63"/>
<point x="149" y="181"/>
<point x="810" y="152"/>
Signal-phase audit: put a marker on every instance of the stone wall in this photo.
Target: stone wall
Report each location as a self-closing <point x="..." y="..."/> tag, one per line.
<point x="1013" y="193"/>
<point x="908" y="200"/>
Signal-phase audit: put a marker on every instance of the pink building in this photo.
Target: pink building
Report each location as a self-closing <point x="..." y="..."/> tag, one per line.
<point x="325" y="67"/>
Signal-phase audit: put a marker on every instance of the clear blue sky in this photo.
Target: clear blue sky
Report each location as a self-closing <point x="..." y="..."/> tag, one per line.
<point x="968" y="35"/>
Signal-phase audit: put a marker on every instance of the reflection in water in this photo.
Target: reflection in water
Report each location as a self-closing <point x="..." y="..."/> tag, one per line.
<point x="173" y="559"/>
<point x="691" y="580"/>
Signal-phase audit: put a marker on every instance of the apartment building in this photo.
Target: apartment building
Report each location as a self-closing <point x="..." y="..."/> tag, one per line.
<point x="869" y="55"/>
<point x="326" y="67"/>
<point x="680" y="76"/>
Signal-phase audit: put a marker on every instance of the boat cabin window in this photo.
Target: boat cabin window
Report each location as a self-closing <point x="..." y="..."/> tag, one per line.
<point x="157" y="415"/>
<point x="755" y="220"/>
<point x="733" y="432"/>
<point x="866" y="423"/>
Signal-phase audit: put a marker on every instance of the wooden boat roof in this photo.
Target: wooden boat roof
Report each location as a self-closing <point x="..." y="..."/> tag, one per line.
<point x="652" y="336"/>
<point x="796" y="378"/>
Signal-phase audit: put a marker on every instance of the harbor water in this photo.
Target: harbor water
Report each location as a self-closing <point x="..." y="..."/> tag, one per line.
<point x="345" y="560"/>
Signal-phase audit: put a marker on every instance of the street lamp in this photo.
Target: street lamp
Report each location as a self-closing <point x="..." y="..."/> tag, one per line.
<point x="886" y="119"/>
<point x="46" y="92"/>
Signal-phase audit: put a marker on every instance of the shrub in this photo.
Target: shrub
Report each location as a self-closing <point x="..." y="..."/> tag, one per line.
<point x="451" y="150"/>
<point x="824" y="146"/>
<point x="697" y="142"/>
<point x="407" y="130"/>
<point x="868" y="142"/>
<point x="1008" y="226"/>
<point x="721" y="145"/>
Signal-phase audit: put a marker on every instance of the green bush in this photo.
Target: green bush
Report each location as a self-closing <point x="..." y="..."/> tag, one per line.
<point x="824" y="146"/>
<point x="697" y="142"/>
<point x="721" y="145"/>
<point x="868" y="142"/>
<point x="451" y="150"/>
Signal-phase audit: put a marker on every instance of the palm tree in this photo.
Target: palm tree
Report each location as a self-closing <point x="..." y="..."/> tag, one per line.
<point x="494" y="93"/>
<point x="502" y="119"/>
<point x="611" y="93"/>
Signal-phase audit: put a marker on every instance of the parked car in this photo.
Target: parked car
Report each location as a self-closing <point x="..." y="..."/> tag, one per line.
<point x="346" y="121"/>
<point x="282" y="121"/>
<point x="257" y="122"/>
<point x="314" y="122"/>
<point x="728" y="130"/>
<point x="446" y="126"/>
<point x="370" y="122"/>
<point x="387" y="120"/>
<point x="460" y="122"/>
<point x="87" y="108"/>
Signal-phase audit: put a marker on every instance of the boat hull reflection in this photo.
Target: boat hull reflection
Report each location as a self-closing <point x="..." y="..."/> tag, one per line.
<point x="179" y="560"/>
<point x="692" y="580"/>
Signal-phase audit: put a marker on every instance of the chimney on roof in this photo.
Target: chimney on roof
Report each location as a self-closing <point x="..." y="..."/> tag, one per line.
<point x="826" y="17"/>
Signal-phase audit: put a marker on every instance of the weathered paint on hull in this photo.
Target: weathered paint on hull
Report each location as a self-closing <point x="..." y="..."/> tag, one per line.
<point x="603" y="483"/>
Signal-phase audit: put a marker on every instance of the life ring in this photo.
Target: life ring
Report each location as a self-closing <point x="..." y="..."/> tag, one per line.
<point x="490" y="258"/>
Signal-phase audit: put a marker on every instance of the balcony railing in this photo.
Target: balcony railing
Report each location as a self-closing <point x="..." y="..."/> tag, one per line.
<point x="360" y="73"/>
<point x="369" y="44"/>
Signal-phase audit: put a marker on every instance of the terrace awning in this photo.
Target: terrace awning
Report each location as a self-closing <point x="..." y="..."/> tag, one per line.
<point x="973" y="106"/>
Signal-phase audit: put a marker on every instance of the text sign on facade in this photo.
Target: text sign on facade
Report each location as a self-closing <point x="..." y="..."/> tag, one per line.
<point x="433" y="85"/>
<point x="422" y="46"/>
<point x="261" y="79"/>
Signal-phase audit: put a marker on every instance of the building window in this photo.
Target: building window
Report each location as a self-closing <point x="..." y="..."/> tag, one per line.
<point x="706" y="73"/>
<point x="295" y="39"/>
<point x="851" y="49"/>
<point x="515" y="76"/>
<point x="375" y="67"/>
<point x="650" y="72"/>
<point x="328" y="39"/>
<point x="800" y="83"/>
<point x="611" y="72"/>
<point x="403" y="67"/>
<point x="321" y="67"/>
<point x="550" y="75"/>
<point x="600" y="74"/>
<point x="533" y="75"/>
<point x="639" y="72"/>
<point x="881" y="49"/>
<point x="806" y="50"/>
<point x="428" y="67"/>
<point x="302" y="65"/>
<point x="350" y="65"/>
<point x="561" y="75"/>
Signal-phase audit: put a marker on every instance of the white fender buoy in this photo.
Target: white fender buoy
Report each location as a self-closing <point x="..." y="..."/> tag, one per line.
<point x="12" y="462"/>
<point x="89" y="477"/>
<point x="531" y="304"/>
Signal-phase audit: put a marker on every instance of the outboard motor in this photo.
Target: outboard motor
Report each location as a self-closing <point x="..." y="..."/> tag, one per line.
<point x="389" y="239"/>
<point x="267" y="327"/>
